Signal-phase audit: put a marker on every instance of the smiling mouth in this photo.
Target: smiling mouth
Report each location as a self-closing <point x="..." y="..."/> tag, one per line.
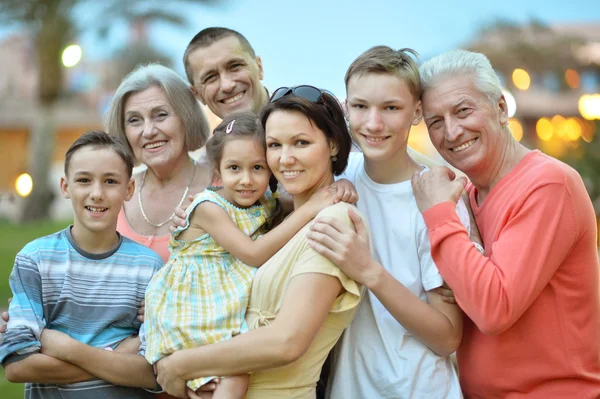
<point x="233" y="99"/>
<point x="96" y="210"/>
<point x="246" y="192"/>
<point x="151" y="146"/>
<point x="291" y="174"/>
<point x="463" y="146"/>
<point x="375" y="139"/>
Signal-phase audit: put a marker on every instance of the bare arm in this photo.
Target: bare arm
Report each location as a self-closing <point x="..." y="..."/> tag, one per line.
<point x="212" y="219"/>
<point x="45" y="369"/>
<point x="125" y="368"/>
<point x="307" y="301"/>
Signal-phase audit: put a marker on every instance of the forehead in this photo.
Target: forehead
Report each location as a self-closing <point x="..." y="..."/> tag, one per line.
<point x="378" y="87"/>
<point x="149" y="98"/>
<point x="282" y="125"/>
<point x="217" y="55"/>
<point x="448" y="92"/>
<point x="243" y="148"/>
<point x="98" y="161"/>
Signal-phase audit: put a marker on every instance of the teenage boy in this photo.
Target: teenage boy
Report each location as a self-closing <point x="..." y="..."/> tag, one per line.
<point x="76" y="292"/>
<point x="400" y="341"/>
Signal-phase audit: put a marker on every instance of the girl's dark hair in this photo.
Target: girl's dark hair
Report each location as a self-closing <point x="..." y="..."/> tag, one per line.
<point x="243" y="125"/>
<point x="100" y="140"/>
<point x="326" y="114"/>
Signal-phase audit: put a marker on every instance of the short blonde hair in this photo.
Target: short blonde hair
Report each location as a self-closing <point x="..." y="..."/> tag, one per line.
<point x="179" y="95"/>
<point x="386" y="60"/>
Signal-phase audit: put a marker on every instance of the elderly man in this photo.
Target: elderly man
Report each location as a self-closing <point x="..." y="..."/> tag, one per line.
<point x="224" y="72"/>
<point x="533" y="295"/>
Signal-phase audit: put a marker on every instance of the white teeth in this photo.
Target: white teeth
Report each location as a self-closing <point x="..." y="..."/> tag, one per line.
<point x="95" y="210"/>
<point x="291" y="174"/>
<point x="245" y="192"/>
<point x="233" y="99"/>
<point x="465" y="145"/>
<point x="155" y="145"/>
<point x="369" y="138"/>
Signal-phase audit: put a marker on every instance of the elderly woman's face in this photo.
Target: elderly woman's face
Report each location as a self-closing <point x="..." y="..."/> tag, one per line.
<point x="464" y="126"/>
<point x="298" y="153"/>
<point x="155" y="133"/>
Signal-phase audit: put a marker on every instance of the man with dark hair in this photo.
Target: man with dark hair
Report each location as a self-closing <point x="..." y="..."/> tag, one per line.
<point x="224" y="72"/>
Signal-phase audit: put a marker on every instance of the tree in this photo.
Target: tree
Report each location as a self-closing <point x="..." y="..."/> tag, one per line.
<point x="53" y="24"/>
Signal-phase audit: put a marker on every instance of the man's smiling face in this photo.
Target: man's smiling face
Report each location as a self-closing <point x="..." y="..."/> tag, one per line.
<point x="227" y="78"/>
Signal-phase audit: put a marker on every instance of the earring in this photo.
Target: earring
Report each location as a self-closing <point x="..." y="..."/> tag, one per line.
<point x="334" y="158"/>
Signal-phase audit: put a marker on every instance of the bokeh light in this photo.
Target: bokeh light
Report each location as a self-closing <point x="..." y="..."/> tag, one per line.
<point x="589" y="106"/>
<point x="572" y="78"/>
<point x="544" y="129"/>
<point x="71" y="55"/>
<point x="516" y="128"/>
<point x="511" y="103"/>
<point x="521" y="79"/>
<point x="24" y="185"/>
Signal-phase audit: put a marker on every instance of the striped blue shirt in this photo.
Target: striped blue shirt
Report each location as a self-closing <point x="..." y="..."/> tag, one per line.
<point x="91" y="297"/>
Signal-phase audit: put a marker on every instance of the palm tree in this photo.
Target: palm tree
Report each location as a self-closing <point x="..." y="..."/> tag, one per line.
<point x="53" y="24"/>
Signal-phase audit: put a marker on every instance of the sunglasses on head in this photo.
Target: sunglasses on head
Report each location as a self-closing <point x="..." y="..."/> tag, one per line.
<point x="306" y="92"/>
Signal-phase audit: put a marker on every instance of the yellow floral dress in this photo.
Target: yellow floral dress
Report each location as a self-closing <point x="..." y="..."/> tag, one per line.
<point x="200" y="296"/>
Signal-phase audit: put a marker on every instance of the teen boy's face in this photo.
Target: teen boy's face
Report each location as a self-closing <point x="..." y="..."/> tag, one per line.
<point x="97" y="185"/>
<point x="381" y="110"/>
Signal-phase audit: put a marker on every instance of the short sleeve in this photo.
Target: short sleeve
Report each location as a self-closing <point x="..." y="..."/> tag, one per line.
<point x="309" y="261"/>
<point x="430" y="275"/>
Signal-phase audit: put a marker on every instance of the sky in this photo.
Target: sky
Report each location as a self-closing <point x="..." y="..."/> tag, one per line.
<point x="314" y="41"/>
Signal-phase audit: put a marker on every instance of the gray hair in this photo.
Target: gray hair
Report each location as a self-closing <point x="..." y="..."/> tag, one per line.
<point x="178" y="93"/>
<point x="462" y="62"/>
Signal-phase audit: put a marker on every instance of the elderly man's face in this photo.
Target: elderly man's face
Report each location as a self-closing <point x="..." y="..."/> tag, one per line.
<point x="464" y="126"/>
<point x="227" y="78"/>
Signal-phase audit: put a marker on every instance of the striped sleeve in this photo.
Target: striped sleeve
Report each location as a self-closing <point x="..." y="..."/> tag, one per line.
<point x="26" y="314"/>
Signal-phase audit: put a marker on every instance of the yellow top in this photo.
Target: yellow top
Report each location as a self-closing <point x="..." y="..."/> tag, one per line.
<point x="298" y="379"/>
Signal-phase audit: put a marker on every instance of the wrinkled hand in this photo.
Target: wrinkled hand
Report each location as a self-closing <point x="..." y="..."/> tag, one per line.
<point x="5" y="317"/>
<point x="168" y="379"/>
<point x="437" y="185"/>
<point x="56" y="343"/>
<point x="446" y="293"/>
<point x="345" y="246"/>
<point x="180" y="215"/>
<point x="142" y="311"/>
<point x="345" y="191"/>
<point x="474" y="233"/>
<point x="205" y="391"/>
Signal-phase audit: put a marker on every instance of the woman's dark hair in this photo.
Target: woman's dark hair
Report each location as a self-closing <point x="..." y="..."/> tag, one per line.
<point x="326" y="114"/>
<point x="243" y="125"/>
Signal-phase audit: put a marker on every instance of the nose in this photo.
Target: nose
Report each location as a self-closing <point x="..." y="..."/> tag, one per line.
<point x="227" y="83"/>
<point x="287" y="156"/>
<point x="97" y="192"/>
<point x="454" y="129"/>
<point x="149" y="130"/>
<point x="374" y="121"/>
<point x="246" y="178"/>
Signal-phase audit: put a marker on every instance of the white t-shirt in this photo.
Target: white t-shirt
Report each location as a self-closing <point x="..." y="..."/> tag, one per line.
<point x="377" y="357"/>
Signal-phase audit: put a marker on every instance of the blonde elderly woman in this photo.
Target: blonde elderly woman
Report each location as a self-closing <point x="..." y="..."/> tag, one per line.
<point x="156" y="113"/>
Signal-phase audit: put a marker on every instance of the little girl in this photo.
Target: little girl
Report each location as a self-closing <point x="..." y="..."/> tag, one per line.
<point x="200" y="296"/>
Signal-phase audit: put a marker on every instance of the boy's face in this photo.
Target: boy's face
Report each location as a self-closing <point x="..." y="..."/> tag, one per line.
<point x="97" y="185"/>
<point x="381" y="110"/>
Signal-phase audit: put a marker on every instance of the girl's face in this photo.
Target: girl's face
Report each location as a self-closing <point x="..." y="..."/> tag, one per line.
<point x="153" y="129"/>
<point x="299" y="154"/>
<point x="244" y="171"/>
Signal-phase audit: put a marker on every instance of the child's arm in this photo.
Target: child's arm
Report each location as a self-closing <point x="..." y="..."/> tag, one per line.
<point x="125" y="368"/>
<point x="216" y="222"/>
<point x="26" y="323"/>
<point x="45" y="369"/>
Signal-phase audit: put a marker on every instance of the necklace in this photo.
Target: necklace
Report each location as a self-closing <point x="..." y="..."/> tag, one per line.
<point x="178" y="205"/>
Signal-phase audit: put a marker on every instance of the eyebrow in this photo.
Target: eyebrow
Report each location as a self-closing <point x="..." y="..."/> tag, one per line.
<point x="291" y="138"/>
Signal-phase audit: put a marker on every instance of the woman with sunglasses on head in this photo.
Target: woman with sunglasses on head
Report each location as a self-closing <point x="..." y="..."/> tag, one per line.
<point x="300" y="302"/>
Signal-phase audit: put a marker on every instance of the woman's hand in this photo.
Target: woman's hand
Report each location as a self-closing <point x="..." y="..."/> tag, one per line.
<point x="345" y="191"/>
<point x="168" y="379"/>
<point x="5" y="317"/>
<point x="180" y="216"/>
<point x="142" y="311"/>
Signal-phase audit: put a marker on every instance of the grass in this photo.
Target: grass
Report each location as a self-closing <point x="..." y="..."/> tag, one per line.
<point x="12" y="238"/>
